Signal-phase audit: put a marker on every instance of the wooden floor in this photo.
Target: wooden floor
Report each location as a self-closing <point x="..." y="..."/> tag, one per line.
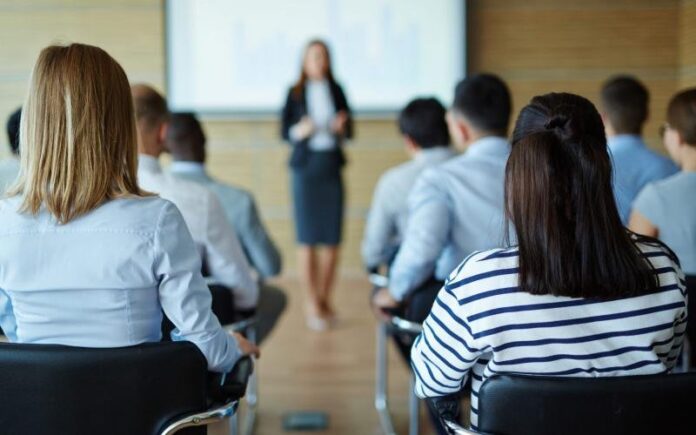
<point x="329" y="371"/>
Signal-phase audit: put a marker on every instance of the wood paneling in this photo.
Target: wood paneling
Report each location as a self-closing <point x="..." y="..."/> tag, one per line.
<point x="538" y="46"/>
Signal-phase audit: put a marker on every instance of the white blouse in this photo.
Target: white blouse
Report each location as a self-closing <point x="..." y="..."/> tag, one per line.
<point x="321" y="110"/>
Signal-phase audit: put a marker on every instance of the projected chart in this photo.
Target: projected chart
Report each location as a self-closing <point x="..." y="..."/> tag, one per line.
<point x="234" y="55"/>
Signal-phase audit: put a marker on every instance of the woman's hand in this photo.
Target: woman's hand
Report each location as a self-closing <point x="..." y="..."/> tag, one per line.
<point x="338" y="125"/>
<point x="305" y="128"/>
<point x="246" y="346"/>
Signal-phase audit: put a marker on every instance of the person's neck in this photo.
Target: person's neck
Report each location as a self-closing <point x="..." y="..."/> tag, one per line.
<point x="688" y="161"/>
<point x="613" y="134"/>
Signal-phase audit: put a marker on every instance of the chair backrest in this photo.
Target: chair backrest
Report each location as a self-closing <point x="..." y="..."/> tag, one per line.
<point x="523" y="405"/>
<point x="52" y="389"/>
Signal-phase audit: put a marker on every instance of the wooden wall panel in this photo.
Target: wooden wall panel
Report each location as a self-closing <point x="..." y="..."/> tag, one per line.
<point x="536" y="45"/>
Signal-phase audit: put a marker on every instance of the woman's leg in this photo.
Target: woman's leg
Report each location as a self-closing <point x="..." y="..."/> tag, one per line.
<point x="327" y="276"/>
<point x="309" y="278"/>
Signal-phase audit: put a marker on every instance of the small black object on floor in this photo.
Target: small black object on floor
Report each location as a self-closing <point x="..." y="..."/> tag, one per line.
<point x="305" y="420"/>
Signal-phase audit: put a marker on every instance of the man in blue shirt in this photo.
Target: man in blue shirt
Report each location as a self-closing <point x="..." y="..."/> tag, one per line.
<point x="185" y="140"/>
<point x="426" y="138"/>
<point x="457" y="207"/>
<point x="624" y="112"/>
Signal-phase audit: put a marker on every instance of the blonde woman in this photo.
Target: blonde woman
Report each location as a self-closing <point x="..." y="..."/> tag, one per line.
<point x="88" y="258"/>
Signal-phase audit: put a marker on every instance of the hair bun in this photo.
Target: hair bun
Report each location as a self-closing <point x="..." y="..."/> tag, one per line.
<point x="558" y="122"/>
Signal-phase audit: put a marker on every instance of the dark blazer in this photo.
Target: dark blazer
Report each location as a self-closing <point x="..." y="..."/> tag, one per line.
<point x="296" y="107"/>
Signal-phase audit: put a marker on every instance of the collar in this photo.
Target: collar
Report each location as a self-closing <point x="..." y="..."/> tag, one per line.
<point x="149" y="164"/>
<point x="186" y="167"/>
<point x="489" y="146"/>
<point x="434" y="153"/>
<point x="625" y="141"/>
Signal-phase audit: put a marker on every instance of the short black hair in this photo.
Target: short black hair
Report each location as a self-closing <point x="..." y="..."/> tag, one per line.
<point x="625" y="102"/>
<point x="13" y="130"/>
<point x="423" y="120"/>
<point x="484" y="100"/>
<point x="185" y="138"/>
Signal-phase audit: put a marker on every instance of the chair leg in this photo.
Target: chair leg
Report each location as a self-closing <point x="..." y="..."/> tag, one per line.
<point x="381" y="380"/>
<point x="252" y="394"/>
<point x="413" y="408"/>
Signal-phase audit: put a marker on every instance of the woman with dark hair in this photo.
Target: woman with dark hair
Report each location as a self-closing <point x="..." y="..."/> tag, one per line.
<point x="663" y="208"/>
<point x="316" y="120"/>
<point x="579" y="295"/>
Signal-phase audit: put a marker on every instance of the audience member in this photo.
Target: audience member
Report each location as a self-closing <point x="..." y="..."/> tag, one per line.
<point x="426" y="138"/>
<point x="112" y="257"/>
<point x="457" y="207"/>
<point x="223" y="258"/>
<point x="624" y="112"/>
<point x="578" y="296"/>
<point x="186" y="143"/>
<point x="9" y="167"/>
<point x="663" y="209"/>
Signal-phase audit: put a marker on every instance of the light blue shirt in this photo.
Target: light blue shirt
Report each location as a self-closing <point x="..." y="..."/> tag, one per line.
<point x="241" y="213"/>
<point x="670" y="206"/>
<point x="388" y="215"/>
<point x="103" y="279"/>
<point x="9" y="169"/>
<point x="454" y="210"/>
<point x="635" y="165"/>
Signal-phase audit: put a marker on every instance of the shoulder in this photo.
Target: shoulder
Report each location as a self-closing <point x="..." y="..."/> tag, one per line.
<point x="233" y="195"/>
<point x="661" y="166"/>
<point x="396" y="173"/>
<point x="484" y="269"/>
<point x="656" y="252"/>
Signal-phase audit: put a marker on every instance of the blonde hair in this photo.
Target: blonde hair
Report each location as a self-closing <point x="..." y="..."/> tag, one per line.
<point x="77" y="134"/>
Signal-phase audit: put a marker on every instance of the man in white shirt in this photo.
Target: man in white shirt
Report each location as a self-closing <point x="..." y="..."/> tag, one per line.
<point x="223" y="258"/>
<point x="9" y="167"/>
<point x="424" y="129"/>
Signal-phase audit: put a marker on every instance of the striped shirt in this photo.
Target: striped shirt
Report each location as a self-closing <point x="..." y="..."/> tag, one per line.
<point x="481" y="324"/>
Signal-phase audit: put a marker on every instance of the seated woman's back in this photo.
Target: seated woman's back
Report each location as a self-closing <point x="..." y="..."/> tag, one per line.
<point x="90" y="282"/>
<point x="578" y="295"/>
<point x="88" y="258"/>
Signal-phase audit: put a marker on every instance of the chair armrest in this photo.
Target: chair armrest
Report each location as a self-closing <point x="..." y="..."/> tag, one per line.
<point x="230" y="387"/>
<point x="455" y="429"/>
<point x="404" y="325"/>
<point x="210" y="416"/>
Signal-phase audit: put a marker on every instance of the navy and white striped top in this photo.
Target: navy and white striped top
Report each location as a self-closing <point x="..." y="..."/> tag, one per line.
<point x="482" y="324"/>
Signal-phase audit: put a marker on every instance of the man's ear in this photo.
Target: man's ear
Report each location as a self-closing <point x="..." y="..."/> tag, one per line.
<point x="410" y="144"/>
<point x="464" y="129"/>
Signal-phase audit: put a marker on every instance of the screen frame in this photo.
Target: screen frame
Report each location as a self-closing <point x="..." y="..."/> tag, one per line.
<point x="268" y="114"/>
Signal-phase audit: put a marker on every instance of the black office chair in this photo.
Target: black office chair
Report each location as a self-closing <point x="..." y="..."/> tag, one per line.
<point x="526" y="405"/>
<point x="154" y="388"/>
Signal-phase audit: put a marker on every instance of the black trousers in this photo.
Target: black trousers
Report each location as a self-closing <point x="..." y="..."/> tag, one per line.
<point x="416" y="309"/>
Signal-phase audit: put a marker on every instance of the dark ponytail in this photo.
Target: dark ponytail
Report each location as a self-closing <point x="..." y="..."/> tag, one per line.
<point x="559" y="197"/>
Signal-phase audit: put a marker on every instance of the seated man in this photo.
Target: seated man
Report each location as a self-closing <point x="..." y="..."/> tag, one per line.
<point x="457" y="207"/>
<point x="9" y="167"/>
<point x="185" y="140"/>
<point x="424" y="128"/>
<point x="624" y="112"/>
<point x="222" y="255"/>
